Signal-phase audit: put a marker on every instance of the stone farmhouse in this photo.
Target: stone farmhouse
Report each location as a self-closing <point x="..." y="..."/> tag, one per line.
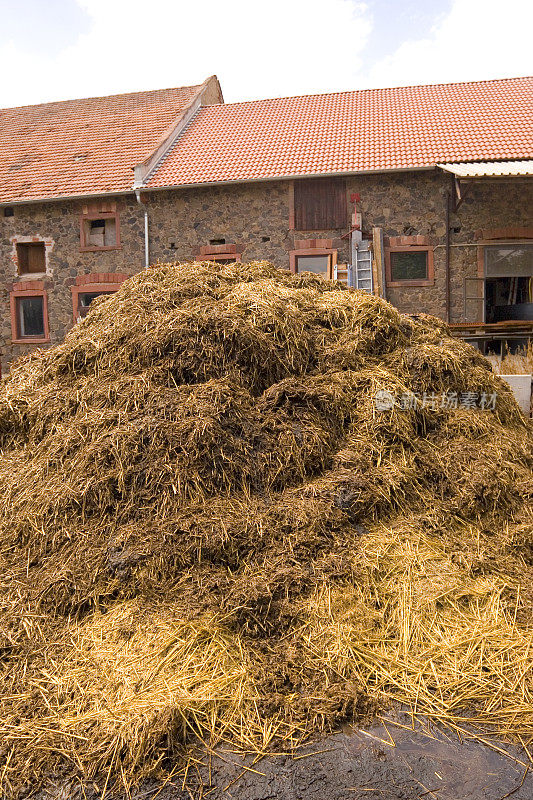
<point x="421" y="194"/>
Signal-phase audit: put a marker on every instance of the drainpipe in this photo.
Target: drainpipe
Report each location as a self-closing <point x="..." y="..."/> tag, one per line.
<point x="447" y="262"/>
<point x="146" y="237"/>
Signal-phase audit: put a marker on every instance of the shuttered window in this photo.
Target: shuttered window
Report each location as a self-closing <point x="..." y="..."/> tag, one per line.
<point x="320" y="204"/>
<point x="31" y="257"/>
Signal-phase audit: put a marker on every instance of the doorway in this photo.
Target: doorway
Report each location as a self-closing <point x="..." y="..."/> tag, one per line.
<point x="508" y="292"/>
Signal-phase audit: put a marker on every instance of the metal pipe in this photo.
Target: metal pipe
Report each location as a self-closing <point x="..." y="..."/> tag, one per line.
<point x="146" y="230"/>
<point x="447" y="262"/>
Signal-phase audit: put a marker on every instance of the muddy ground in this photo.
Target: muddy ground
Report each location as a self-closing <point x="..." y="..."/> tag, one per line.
<point x="381" y="762"/>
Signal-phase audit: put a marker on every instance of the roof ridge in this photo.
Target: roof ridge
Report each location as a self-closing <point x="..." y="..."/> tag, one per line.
<point x="378" y="89"/>
<point x="102" y="97"/>
<point x="160" y="161"/>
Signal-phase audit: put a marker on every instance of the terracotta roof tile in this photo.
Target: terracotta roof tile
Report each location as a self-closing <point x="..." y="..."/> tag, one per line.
<point x="78" y="147"/>
<point x="376" y="129"/>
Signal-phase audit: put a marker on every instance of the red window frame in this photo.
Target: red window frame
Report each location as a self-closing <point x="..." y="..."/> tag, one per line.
<point x="109" y="282"/>
<point x="219" y="252"/>
<point x="28" y="289"/>
<point x="92" y="215"/>
<point x="314" y="247"/>
<point x="409" y="244"/>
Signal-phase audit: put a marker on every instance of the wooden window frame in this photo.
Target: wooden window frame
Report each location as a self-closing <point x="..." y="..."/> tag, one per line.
<point x="106" y="282"/>
<point x="88" y="216"/>
<point x="314" y="251"/>
<point x="28" y="289"/>
<point x="429" y="281"/>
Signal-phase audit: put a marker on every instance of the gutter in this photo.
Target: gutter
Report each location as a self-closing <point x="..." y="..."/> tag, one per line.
<point x="296" y="176"/>
<point x="447" y="258"/>
<point x="146" y="229"/>
<point x="268" y="179"/>
<point x="63" y="197"/>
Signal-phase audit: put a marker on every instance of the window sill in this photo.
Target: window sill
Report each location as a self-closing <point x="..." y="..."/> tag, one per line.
<point x="100" y="249"/>
<point x="30" y="340"/>
<point x="400" y="284"/>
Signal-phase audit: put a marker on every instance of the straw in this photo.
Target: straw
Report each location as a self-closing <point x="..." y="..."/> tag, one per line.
<point x="210" y="533"/>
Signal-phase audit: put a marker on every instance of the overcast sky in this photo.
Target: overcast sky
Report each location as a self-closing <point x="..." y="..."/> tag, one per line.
<point x="59" y="49"/>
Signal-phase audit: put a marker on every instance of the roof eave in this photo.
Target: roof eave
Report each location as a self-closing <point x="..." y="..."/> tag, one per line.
<point x="63" y="197"/>
<point x="292" y="177"/>
<point x="269" y="179"/>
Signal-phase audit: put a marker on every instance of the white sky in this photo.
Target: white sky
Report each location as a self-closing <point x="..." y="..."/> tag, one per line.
<point x="58" y="49"/>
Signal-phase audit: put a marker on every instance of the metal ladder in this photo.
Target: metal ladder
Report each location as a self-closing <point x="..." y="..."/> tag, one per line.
<point x="360" y="275"/>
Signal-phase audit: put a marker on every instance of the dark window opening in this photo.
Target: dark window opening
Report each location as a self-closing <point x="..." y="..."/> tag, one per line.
<point x="217" y="241"/>
<point x="509" y="282"/>
<point x="30" y="316"/>
<point x="9" y="211"/>
<point x="320" y="204"/>
<point x="409" y="266"/>
<point x="265" y="238"/>
<point x="320" y="265"/>
<point x="31" y="257"/>
<point x="85" y="299"/>
<point x="509" y="299"/>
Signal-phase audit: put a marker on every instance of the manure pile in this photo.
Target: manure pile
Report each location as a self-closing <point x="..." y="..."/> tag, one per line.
<point x="211" y="531"/>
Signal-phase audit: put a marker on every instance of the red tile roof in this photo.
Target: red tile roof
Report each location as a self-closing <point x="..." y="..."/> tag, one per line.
<point x="79" y="147"/>
<point x="376" y="129"/>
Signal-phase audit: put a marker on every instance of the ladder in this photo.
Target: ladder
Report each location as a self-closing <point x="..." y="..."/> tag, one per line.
<point x="360" y="275"/>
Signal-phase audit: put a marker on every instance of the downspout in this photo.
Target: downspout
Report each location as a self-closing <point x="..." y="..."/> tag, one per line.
<point x="146" y="233"/>
<point x="447" y="261"/>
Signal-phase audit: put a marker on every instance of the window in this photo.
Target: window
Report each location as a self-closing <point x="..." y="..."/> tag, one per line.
<point x="89" y="287"/>
<point x="509" y="261"/>
<point x="409" y="264"/>
<point x="314" y="255"/>
<point x="221" y="253"/>
<point x="508" y="282"/>
<point x="29" y="313"/>
<point x="30" y="318"/>
<point x="321" y="265"/>
<point x="85" y="299"/>
<point x="31" y="257"/>
<point x="319" y="204"/>
<point x="221" y="259"/>
<point x="100" y="231"/>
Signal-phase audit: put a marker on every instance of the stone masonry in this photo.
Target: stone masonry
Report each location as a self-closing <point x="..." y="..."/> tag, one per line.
<point x="255" y="216"/>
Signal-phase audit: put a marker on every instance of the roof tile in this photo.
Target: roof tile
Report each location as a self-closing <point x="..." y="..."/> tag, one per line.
<point x="78" y="147"/>
<point x="377" y="129"/>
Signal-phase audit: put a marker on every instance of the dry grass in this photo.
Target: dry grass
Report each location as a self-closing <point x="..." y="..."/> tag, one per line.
<point x="208" y="531"/>
<point x="518" y="363"/>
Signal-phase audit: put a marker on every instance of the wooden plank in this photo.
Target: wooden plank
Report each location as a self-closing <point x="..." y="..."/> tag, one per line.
<point x="378" y="263"/>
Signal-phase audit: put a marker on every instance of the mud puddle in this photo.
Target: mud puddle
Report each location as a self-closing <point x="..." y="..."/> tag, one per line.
<point x="397" y="759"/>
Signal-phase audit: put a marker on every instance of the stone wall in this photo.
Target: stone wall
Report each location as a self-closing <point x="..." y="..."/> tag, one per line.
<point x="59" y="224"/>
<point x="255" y="216"/>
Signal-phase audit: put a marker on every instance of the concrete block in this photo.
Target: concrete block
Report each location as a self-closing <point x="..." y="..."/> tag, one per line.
<point x="521" y="387"/>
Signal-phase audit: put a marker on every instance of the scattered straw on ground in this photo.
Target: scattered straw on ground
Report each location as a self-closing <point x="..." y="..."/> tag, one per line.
<point x="208" y="531"/>
<point x="519" y="362"/>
